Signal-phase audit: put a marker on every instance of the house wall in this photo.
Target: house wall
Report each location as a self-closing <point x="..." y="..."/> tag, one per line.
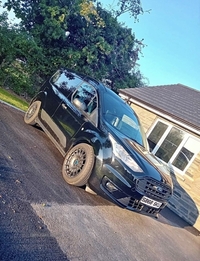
<point x="186" y="197"/>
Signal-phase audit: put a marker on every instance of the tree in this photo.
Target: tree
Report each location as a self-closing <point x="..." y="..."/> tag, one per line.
<point x="6" y="43"/>
<point x="46" y="21"/>
<point x="18" y="57"/>
<point x="98" y="44"/>
<point x="114" y="50"/>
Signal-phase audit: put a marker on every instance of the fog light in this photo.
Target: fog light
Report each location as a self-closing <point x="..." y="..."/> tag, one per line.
<point x="125" y="201"/>
<point x="111" y="187"/>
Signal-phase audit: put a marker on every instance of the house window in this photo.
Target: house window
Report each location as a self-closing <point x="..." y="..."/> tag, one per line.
<point x="173" y="145"/>
<point x="184" y="156"/>
<point x="170" y="144"/>
<point x="156" y="134"/>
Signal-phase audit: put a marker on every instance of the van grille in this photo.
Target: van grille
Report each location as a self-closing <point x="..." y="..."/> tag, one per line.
<point x="153" y="189"/>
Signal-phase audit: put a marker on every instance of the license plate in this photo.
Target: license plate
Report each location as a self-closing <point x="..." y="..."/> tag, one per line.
<point x="150" y="202"/>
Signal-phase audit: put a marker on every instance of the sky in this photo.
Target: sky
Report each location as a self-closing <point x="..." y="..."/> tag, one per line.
<point x="171" y="33"/>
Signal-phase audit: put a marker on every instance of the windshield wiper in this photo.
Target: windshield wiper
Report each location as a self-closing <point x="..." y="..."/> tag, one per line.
<point x="134" y="140"/>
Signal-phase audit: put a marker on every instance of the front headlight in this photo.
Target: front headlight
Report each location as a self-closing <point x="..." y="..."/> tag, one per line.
<point x="122" y="154"/>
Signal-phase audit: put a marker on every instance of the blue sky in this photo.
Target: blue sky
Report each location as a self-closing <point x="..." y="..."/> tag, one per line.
<point x="171" y="32"/>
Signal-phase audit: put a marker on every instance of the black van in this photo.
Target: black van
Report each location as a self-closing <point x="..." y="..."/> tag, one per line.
<point x="102" y="142"/>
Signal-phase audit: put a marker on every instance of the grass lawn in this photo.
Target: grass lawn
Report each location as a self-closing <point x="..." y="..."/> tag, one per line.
<point x="13" y="99"/>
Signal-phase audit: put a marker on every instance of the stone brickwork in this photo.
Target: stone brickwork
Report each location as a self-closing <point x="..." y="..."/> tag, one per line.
<point x="186" y="198"/>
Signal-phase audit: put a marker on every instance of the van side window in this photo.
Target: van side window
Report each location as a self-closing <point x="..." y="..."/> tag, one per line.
<point x="85" y="99"/>
<point x="66" y="82"/>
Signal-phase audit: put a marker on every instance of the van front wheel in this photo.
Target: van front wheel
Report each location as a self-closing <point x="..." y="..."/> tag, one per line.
<point x="78" y="165"/>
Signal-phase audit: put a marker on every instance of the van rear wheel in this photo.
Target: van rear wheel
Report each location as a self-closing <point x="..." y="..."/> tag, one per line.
<point x="32" y="113"/>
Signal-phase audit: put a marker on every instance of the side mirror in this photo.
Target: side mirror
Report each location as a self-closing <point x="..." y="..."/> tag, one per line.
<point x="79" y="104"/>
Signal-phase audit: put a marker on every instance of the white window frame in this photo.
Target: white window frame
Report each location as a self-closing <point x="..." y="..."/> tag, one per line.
<point x="181" y="145"/>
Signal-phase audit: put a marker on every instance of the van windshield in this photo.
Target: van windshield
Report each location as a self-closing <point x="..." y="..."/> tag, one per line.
<point x="122" y="117"/>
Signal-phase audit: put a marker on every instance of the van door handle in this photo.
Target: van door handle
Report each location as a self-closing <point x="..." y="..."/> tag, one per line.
<point x="64" y="106"/>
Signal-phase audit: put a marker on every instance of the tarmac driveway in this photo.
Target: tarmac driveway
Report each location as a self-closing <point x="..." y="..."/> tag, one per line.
<point x="43" y="218"/>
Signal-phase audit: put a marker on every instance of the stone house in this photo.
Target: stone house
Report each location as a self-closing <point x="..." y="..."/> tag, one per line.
<point x="170" y="115"/>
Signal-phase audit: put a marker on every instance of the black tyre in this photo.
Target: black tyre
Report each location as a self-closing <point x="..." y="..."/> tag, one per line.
<point x="78" y="164"/>
<point x="32" y="113"/>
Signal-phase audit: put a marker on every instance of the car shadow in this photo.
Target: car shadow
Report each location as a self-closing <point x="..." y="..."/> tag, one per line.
<point x="168" y="217"/>
<point x="181" y="210"/>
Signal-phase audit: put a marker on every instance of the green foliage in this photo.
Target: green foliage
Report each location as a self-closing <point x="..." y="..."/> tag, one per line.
<point x="6" y="44"/>
<point x="98" y="44"/>
<point x="19" y="58"/>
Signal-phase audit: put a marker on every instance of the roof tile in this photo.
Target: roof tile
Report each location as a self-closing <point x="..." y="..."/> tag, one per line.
<point x="177" y="100"/>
